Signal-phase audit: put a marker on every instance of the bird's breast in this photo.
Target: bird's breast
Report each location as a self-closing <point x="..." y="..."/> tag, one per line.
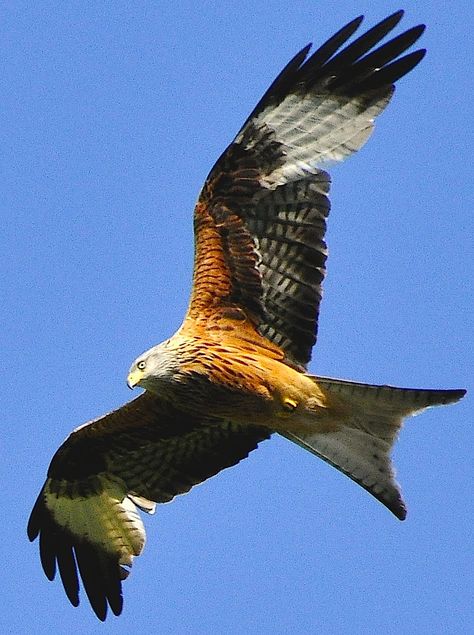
<point x="221" y="380"/>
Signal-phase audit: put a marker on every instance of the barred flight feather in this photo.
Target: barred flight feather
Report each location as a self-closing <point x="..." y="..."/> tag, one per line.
<point x="141" y="454"/>
<point x="319" y="109"/>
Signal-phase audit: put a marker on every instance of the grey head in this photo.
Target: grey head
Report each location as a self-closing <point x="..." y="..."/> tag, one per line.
<point x="154" y="368"/>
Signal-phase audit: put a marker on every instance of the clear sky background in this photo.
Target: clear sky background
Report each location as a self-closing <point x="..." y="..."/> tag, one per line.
<point x="111" y="115"/>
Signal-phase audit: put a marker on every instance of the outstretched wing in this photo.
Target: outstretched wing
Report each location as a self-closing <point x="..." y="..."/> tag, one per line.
<point x="261" y="217"/>
<point x="143" y="453"/>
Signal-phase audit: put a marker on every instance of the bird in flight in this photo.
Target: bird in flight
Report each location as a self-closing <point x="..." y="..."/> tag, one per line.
<point x="235" y="371"/>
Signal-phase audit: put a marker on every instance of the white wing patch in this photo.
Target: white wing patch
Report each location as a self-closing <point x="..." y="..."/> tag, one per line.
<point x="108" y="520"/>
<point x="318" y="129"/>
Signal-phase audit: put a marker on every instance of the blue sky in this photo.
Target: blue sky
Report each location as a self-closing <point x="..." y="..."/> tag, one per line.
<point x="111" y="115"/>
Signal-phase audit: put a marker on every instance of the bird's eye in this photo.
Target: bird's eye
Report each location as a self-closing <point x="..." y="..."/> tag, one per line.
<point x="141" y="365"/>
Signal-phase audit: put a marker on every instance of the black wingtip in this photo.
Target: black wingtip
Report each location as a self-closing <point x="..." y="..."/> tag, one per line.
<point x="414" y="33"/>
<point x="32" y="529"/>
<point x="117" y="606"/>
<point x="67" y="569"/>
<point x="34" y="521"/>
<point x="391" y="73"/>
<point x="300" y="57"/>
<point x="350" y="68"/>
<point x="329" y="48"/>
<point x="48" y="554"/>
<point x="394" y="18"/>
<point x="348" y="29"/>
<point x="400" y="511"/>
<point x="421" y="28"/>
<point x="453" y="396"/>
<point x="353" y="25"/>
<point x="383" y="27"/>
<point x="74" y="600"/>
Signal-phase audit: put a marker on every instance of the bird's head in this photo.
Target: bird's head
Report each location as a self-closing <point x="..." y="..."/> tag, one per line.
<point x="152" y="368"/>
<point x="137" y="373"/>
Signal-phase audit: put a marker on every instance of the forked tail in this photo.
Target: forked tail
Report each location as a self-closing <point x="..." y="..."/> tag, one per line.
<point x="368" y="428"/>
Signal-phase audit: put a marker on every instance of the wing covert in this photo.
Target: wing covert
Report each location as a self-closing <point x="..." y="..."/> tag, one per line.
<point x="260" y="220"/>
<point x="144" y="453"/>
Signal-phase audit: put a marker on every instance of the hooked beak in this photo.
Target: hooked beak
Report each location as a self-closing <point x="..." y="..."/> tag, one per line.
<point x="134" y="378"/>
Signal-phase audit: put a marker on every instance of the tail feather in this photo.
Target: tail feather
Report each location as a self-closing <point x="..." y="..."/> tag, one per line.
<point x="362" y="458"/>
<point x="362" y="444"/>
<point x="404" y="400"/>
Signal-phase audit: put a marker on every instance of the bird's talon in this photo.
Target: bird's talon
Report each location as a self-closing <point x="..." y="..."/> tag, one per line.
<point x="289" y="405"/>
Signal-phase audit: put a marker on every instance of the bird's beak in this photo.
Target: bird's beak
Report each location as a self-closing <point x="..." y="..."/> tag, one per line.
<point x="134" y="378"/>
